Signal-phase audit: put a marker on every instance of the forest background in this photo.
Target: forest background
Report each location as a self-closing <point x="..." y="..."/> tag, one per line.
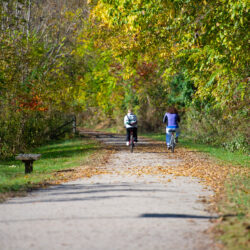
<point x="95" y="59"/>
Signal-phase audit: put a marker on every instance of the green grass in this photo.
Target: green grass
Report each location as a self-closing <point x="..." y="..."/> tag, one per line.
<point x="55" y="156"/>
<point x="234" y="229"/>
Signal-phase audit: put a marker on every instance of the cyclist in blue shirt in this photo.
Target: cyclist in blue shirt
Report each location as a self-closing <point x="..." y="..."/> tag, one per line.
<point x="171" y="118"/>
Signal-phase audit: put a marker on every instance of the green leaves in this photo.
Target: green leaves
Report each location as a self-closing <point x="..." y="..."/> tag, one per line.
<point x="126" y="53"/>
<point x="207" y="40"/>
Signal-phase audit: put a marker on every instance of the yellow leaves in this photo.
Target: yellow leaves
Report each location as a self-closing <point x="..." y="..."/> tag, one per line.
<point x="101" y="14"/>
<point x="163" y="55"/>
<point x="172" y="13"/>
<point x="131" y="19"/>
<point x="233" y="59"/>
<point x="69" y="15"/>
<point x="81" y="172"/>
<point x="193" y="164"/>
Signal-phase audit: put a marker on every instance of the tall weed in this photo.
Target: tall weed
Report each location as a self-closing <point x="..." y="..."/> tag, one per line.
<point x="216" y="127"/>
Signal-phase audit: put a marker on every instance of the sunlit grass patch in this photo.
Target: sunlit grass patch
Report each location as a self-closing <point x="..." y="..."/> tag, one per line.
<point x="55" y="156"/>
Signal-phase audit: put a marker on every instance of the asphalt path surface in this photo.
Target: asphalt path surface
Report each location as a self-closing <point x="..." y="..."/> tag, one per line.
<point x="120" y="210"/>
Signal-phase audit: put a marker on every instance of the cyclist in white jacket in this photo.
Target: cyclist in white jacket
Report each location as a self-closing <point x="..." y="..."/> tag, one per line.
<point x="130" y="122"/>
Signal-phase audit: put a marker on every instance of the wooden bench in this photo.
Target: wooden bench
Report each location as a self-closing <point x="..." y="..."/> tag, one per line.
<point x="28" y="160"/>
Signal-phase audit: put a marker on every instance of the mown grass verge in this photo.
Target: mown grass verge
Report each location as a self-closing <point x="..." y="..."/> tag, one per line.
<point x="233" y="227"/>
<point x="56" y="156"/>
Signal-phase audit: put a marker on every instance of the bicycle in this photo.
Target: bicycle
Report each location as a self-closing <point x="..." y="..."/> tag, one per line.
<point x="131" y="141"/>
<point x="172" y="140"/>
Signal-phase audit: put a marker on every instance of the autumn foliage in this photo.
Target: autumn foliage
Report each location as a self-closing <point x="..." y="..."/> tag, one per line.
<point x="98" y="58"/>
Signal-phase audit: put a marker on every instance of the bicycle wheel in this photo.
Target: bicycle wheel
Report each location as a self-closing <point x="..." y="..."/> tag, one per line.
<point x="172" y="148"/>
<point x="172" y="143"/>
<point x="131" y="143"/>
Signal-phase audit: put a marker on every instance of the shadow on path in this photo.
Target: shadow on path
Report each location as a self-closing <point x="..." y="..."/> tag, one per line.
<point x="157" y="216"/>
<point x="63" y="193"/>
<point x="178" y="216"/>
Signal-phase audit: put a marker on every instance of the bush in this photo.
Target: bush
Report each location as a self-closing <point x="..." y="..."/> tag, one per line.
<point x="239" y="143"/>
<point x="23" y="130"/>
<point x="217" y="127"/>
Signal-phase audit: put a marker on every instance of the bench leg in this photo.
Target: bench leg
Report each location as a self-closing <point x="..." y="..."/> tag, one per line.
<point x="28" y="166"/>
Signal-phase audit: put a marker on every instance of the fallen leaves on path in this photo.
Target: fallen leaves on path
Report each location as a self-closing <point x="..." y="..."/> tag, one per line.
<point x="190" y="163"/>
<point x="194" y="164"/>
<point x="95" y="166"/>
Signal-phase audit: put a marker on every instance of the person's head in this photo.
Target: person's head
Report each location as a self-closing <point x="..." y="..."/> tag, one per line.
<point x="172" y="110"/>
<point x="129" y="110"/>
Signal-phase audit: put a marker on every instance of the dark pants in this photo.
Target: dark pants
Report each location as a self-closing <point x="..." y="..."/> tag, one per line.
<point x="134" y="133"/>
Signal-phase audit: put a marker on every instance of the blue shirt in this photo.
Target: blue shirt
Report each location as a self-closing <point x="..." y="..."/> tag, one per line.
<point x="171" y="120"/>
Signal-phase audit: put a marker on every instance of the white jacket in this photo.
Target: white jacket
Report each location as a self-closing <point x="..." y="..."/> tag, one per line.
<point x="130" y="120"/>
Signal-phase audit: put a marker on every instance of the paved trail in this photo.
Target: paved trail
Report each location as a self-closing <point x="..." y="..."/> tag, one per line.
<point x="116" y="211"/>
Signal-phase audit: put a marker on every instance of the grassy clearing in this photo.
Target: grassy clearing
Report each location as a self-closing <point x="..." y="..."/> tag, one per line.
<point x="56" y="156"/>
<point x="234" y="226"/>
